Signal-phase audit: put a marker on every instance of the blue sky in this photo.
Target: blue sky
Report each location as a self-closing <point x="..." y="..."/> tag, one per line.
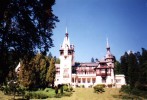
<point x="90" y="22"/>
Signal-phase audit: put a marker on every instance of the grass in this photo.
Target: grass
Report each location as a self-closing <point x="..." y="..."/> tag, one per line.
<point x="88" y="94"/>
<point x="8" y="97"/>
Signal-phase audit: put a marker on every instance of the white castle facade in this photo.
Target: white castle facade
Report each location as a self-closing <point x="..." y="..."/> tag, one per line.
<point x="86" y="74"/>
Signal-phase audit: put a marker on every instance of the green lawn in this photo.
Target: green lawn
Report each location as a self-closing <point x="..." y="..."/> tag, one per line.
<point x="80" y="94"/>
<point x="88" y="94"/>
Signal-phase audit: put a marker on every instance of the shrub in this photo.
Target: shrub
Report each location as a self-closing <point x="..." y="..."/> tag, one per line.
<point x="125" y="88"/>
<point x="71" y="88"/>
<point x="56" y="89"/>
<point x="58" y="96"/>
<point x="35" y="95"/>
<point x="140" y="86"/>
<point x="47" y="89"/>
<point x="109" y="85"/>
<point x="82" y="86"/>
<point x="67" y="94"/>
<point x="61" y="89"/>
<point x="65" y="88"/>
<point x="98" y="88"/>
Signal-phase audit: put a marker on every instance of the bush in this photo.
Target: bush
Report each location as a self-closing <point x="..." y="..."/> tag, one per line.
<point x="47" y="89"/>
<point x="65" y="88"/>
<point x="82" y="86"/>
<point x="71" y="88"/>
<point x="58" y="96"/>
<point x="61" y="89"/>
<point x="67" y="94"/>
<point x="99" y="88"/>
<point x="140" y="86"/>
<point x="109" y="85"/>
<point x="56" y="89"/>
<point x="125" y="88"/>
<point x="35" y="95"/>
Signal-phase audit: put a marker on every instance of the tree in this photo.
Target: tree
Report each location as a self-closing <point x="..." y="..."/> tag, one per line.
<point x="27" y="74"/>
<point x="92" y="59"/>
<point x="25" y="27"/>
<point x="37" y="66"/>
<point x="117" y="68"/>
<point x="41" y="64"/>
<point x="124" y="65"/>
<point x="132" y="70"/>
<point x="50" y="77"/>
<point x="143" y="67"/>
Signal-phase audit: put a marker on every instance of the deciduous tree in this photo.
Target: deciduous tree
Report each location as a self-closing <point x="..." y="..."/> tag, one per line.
<point x="25" y="27"/>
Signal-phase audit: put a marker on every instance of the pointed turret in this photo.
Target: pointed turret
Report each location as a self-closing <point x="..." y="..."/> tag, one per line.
<point x="108" y="47"/>
<point x="108" y="54"/>
<point x="66" y="42"/>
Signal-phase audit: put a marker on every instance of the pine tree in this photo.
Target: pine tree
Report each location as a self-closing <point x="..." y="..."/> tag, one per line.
<point x="92" y="59"/>
<point x="117" y="68"/>
<point x="27" y="75"/>
<point x="143" y="67"/>
<point x="132" y="70"/>
<point x="124" y="65"/>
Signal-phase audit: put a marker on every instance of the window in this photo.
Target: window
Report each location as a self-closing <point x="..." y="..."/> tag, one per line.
<point x="79" y="80"/>
<point x="88" y="80"/>
<point x="73" y="80"/>
<point x="102" y="70"/>
<point x="93" y="80"/>
<point x="83" y="80"/>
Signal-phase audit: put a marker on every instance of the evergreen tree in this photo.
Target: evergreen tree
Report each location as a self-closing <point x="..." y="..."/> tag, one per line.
<point x="41" y="63"/>
<point x="132" y="70"/>
<point x="27" y="75"/>
<point x="124" y="65"/>
<point x="57" y="61"/>
<point x="50" y="77"/>
<point x="92" y="59"/>
<point x="143" y="67"/>
<point x="117" y="68"/>
<point x="33" y="73"/>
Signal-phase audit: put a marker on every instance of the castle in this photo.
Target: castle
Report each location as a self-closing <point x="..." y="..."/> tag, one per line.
<point x="86" y="74"/>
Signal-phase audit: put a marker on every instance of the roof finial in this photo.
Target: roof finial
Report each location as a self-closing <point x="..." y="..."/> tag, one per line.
<point x="108" y="43"/>
<point x="66" y="29"/>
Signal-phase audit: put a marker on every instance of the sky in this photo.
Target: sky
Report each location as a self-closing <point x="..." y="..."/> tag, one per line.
<point x="90" y="22"/>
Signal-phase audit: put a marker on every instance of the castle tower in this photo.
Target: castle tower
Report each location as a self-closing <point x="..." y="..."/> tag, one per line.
<point x="66" y="60"/>
<point x="109" y="57"/>
<point x="110" y="63"/>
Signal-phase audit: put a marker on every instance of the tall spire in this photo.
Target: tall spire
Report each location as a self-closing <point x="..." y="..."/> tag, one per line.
<point x="66" y="29"/>
<point x="66" y="41"/>
<point x="66" y="33"/>
<point x="107" y="44"/>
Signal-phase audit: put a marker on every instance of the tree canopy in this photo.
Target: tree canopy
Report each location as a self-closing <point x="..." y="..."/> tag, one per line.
<point x="25" y="28"/>
<point x="134" y="67"/>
